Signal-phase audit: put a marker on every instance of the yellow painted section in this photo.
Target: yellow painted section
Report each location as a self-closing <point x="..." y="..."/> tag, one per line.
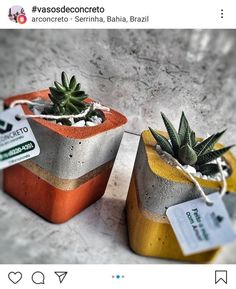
<point x="166" y="171"/>
<point x="150" y="238"/>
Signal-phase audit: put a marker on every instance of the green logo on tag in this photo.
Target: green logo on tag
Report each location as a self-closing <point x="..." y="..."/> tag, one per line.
<point x="17" y="141"/>
<point x="216" y="219"/>
<point x="17" y="150"/>
<point x="5" y="126"/>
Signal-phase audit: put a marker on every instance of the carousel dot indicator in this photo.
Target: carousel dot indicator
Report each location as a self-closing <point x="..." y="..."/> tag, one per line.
<point x="118" y="276"/>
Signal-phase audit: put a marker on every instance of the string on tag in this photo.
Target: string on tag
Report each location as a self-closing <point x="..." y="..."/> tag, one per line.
<point x="201" y="191"/>
<point x="92" y="106"/>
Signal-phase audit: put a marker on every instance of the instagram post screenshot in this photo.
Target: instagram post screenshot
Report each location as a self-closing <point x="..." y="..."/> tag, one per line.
<point x="117" y="144"/>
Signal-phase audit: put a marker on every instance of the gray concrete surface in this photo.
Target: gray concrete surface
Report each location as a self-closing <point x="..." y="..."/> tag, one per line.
<point x="140" y="73"/>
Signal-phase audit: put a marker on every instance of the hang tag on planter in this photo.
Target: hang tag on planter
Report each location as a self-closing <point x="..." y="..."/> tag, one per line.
<point x="199" y="227"/>
<point x="17" y="141"/>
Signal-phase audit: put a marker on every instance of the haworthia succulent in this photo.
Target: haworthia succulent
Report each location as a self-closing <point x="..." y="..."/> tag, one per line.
<point x="184" y="146"/>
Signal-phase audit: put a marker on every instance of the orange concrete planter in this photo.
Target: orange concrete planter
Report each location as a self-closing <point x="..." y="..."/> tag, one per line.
<point x="72" y="169"/>
<point x="52" y="203"/>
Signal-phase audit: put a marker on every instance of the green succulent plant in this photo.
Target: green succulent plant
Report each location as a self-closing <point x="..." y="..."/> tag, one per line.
<point x="184" y="146"/>
<point x="68" y="98"/>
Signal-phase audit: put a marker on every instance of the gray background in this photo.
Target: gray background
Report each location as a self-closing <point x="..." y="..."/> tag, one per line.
<point x="140" y="73"/>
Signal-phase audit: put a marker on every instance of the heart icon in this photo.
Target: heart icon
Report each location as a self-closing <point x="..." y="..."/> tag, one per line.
<point x="15" y="277"/>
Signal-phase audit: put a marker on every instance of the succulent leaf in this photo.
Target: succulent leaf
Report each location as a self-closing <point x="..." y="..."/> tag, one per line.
<point x="212" y="155"/>
<point x="183" y="127"/>
<point x="81" y="98"/>
<point x="51" y="98"/>
<point x="208" y="144"/>
<point x="76" y="102"/>
<point x="216" y="139"/>
<point x="162" y="141"/>
<point x="187" y="155"/>
<point x="59" y="87"/>
<point x="73" y="83"/>
<point x="204" y="145"/>
<point x="187" y="138"/>
<point x="78" y="93"/>
<point x="193" y="138"/>
<point x="209" y="169"/>
<point x="77" y="87"/>
<point x="174" y="137"/>
<point x="65" y="80"/>
<point x="73" y="109"/>
<point x="57" y="94"/>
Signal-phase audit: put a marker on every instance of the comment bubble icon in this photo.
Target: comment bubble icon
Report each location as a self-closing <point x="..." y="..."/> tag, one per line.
<point x="38" y="278"/>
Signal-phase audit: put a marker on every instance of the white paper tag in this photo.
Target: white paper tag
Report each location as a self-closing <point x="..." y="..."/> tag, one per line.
<point x="17" y="141"/>
<point x="199" y="227"/>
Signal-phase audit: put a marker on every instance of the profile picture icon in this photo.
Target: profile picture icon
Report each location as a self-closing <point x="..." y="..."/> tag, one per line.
<point x="17" y="14"/>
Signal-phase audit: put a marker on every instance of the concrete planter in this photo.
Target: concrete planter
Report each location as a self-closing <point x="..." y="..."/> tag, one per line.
<point x="154" y="187"/>
<point x="72" y="169"/>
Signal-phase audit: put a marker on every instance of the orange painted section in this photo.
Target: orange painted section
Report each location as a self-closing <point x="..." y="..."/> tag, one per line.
<point x="113" y="118"/>
<point x="55" y="205"/>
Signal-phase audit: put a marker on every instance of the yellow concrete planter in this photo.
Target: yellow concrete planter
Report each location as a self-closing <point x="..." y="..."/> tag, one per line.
<point x="155" y="186"/>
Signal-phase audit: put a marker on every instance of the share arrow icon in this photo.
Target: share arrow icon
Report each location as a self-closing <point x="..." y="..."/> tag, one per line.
<point x="61" y="275"/>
